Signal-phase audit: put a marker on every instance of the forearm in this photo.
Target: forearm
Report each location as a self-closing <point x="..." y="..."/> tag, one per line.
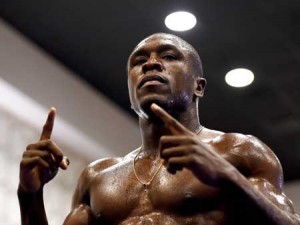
<point x="32" y="208"/>
<point x="253" y="206"/>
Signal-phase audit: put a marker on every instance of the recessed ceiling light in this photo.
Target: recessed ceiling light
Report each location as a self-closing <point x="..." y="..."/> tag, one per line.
<point x="239" y="77"/>
<point x="180" y="21"/>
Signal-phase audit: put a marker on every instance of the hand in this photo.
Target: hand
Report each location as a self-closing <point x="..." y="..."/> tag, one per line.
<point x="41" y="160"/>
<point x="183" y="148"/>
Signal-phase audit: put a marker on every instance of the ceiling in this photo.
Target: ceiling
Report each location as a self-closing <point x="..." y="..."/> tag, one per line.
<point x="94" y="39"/>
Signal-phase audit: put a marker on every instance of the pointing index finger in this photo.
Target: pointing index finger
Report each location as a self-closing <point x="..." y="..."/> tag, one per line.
<point x="48" y="127"/>
<point x="46" y="134"/>
<point x="174" y="126"/>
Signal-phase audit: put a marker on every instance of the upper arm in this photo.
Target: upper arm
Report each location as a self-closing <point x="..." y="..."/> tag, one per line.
<point x="81" y="194"/>
<point x="81" y="213"/>
<point x="265" y="172"/>
<point x="275" y="195"/>
<point x="87" y="179"/>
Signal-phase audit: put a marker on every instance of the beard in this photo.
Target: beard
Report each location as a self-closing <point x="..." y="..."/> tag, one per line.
<point x="172" y="103"/>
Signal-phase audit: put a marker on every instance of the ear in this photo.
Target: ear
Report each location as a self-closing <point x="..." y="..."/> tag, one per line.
<point x="200" y="84"/>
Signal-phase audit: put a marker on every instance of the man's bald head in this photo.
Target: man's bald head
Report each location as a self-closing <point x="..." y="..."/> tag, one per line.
<point x="182" y="45"/>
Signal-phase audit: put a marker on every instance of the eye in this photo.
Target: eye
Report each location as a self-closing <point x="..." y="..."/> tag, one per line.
<point x="169" y="57"/>
<point x="139" y="61"/>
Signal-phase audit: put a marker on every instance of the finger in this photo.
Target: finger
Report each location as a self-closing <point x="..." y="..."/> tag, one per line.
<point x="32" y="162"/>
<point x="175" y="164"/>
<point x="177" y="151"/>
<point x="48" y="145"/>
<point x="45" y="155"/>
<point x="36" y="152"/>
<point x="64" y="163"/>
<point x="48" y="127"/>
<point x="174" y="126"/>
<point x="167" y="141"/>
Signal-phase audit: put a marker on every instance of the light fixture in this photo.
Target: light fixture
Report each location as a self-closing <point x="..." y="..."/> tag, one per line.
<point x="239" y="77"/>
<point x="180" y="21"/>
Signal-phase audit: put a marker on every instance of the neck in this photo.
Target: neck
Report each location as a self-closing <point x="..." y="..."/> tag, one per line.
<point x="152" y="130"/>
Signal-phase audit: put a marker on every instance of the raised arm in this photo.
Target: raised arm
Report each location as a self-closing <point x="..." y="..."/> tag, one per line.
<point x="39" y="165"/>
<point x="252" y="197"/>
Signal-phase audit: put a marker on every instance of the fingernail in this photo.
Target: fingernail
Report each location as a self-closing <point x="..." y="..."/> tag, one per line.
<point x="154" y="106"/>
<point x="65" y="163"/>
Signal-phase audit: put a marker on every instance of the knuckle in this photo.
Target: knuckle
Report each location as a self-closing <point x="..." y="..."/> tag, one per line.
<point x="48" y="143"/>
<point x="25" y="154"/>
<point x="163" y="139"/>
<point x="36" y="159"/>
<point x="193" y="149"/>
<point x="30" y="146"/>
<point x="45" y="155"/>
<point x="194" y="139"/>
<point x="190" y="159"/>
<point x="39" y="161"/>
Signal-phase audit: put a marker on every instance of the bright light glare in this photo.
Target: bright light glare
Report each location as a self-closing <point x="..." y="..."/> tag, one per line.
<point x="239" y="77"/>
<point x="180" y="21"/>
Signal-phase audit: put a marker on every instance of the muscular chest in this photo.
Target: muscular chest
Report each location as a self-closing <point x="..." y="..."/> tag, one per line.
<point x="118" y="193"/>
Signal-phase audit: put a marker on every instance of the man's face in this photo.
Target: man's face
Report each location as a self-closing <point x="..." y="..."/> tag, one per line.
<point x="159" y="71"/>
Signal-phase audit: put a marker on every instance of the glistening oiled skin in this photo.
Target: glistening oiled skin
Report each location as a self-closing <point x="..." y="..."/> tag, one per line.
<point x="116" y="196"/>
<point x="207" y="178"/>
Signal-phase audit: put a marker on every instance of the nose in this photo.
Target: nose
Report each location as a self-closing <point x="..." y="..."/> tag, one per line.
<point x="152" y="64"/>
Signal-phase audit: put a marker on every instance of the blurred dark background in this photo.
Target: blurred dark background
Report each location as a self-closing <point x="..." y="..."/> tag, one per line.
<point x="94" y="39"/>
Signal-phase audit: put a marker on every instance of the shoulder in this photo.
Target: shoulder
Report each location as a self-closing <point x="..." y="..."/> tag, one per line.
<point x="86" y="179"/>
<point x="239" y="143"/>
<point x="95" y="168"/>
<point x="90" y="172"/>
<point x="89" y="177"/>
<point x="250" y="155"/>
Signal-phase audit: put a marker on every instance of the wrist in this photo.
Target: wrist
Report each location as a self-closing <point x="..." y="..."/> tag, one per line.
<point x="24" y="192"/>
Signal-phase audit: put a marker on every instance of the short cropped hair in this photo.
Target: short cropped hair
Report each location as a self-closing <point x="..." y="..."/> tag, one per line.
<point x="192" y="53"/>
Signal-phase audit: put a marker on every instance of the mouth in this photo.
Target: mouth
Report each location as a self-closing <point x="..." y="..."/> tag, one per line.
<point x="151" y="80"/>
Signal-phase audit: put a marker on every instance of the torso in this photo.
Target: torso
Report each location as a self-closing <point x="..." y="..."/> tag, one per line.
<point x="125" y="198"/>
<point x="117" y="197"/>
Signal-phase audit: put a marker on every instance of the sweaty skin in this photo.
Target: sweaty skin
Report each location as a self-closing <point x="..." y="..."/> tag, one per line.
<point x="183" y="174"/>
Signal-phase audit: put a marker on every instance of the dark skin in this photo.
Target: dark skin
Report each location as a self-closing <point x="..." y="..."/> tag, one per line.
<point x="195" y="176"/>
